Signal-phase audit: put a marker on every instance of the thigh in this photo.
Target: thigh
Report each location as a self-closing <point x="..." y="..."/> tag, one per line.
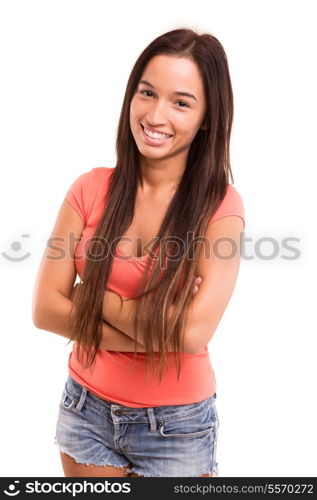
<point x="73" y="469"/>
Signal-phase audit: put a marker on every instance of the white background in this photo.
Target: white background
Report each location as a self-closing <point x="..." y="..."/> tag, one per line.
<point x="65" y="66"/>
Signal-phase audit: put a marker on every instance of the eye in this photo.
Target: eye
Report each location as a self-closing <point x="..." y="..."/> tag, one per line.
<point x="149" y="91"/>
<point x="186" y="105"/>
<point x="141" y="92"/>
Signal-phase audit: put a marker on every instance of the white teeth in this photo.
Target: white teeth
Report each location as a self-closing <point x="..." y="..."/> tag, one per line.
<point x="155" y="135"/>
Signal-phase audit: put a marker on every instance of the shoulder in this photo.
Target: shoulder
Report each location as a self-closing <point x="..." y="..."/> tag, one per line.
<point x="99" y="182"/>
<point x="89" y="183"/>
<point x="100" y="173"/>
<point x="97" y="177"/>
<point x="231" y="204"/>
<point x="87" y="189"/>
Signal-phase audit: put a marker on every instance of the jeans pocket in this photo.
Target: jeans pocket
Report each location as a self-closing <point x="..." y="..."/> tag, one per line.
<point x="198" y="425"/>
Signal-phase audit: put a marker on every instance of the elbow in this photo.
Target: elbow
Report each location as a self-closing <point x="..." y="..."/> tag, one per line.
<point x="38" y="325"/>
<point x="36" y="310"/>
<point x="41" y="309"/>
<point x="38" y="314"/>
<point x="191" y="347"/>
<point x="36" y="318"/>
<point x="191" y="351"/>
<point x="197" y="341"/>
<point x="194" y="349"/>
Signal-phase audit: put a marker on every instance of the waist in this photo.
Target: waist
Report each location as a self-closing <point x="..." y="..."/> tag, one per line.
<point x="121" y="377"/>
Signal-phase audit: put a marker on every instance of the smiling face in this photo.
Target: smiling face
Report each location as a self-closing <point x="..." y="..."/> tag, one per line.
<point x="169" y="99"/>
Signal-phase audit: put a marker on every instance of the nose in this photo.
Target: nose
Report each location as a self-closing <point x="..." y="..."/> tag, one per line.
<point x="156" y="116"/>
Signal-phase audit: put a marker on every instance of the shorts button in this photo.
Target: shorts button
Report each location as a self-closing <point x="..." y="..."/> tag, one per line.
<point x="118" y="412"/>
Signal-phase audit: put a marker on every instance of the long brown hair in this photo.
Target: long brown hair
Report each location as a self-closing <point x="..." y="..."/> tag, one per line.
<point x="200" y="191"/>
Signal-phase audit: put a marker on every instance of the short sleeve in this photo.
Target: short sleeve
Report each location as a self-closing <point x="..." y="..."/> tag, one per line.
<point x="232" y="204"/>
<point x="77" y="195"/>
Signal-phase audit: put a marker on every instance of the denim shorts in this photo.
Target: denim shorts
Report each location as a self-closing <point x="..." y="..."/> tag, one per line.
<point x="158" y="441"/>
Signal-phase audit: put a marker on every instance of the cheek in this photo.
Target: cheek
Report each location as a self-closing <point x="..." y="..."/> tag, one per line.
<point x="137" y="107"/>
<point x="188" y="132"/>
<point x="134" y="109"/>
<point x="185" y="125"/>
<point x="193" y="129"/>
<point x="134" y="117"/>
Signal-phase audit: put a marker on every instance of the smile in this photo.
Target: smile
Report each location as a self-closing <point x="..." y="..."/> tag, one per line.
<point x="154" y="137"/>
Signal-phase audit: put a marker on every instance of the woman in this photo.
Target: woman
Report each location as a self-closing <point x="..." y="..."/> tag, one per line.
<point x="169" y="204"/>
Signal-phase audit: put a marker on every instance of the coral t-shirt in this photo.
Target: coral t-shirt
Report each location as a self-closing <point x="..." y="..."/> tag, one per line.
<point x="120" y="376"/>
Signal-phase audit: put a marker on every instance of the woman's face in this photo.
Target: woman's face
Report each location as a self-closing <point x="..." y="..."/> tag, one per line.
<point x="160" y="105"/>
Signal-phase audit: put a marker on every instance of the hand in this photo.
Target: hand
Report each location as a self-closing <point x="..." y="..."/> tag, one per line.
<point x="198" y="281"/>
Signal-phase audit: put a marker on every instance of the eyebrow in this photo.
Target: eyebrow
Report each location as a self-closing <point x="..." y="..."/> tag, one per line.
<point x="187" y="94"/>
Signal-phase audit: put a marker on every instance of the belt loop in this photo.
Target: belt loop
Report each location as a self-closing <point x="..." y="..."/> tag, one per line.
<point x="82" y="400"/>
<point x="152" y="420"/>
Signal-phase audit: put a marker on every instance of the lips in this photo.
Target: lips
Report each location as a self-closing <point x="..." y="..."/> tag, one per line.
<point x="151" y="141"/>
<point x="155" y="131"/>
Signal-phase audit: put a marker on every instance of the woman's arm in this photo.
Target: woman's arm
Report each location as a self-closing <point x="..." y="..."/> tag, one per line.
<point x="114" y="340"/>
<point x="118" y="322"/>
<point x="219" y="271"/>
<point x="54" y="318"/>
<point x="121" y="315"/>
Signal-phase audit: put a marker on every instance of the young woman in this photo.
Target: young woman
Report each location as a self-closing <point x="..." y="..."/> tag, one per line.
<point x="140" y="397"/>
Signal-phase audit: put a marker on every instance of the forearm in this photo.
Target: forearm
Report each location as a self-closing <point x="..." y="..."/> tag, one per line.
<point x="122" y="319"/>
<point x="114" y="340"/>
<point x="54" y="313"/>
<point x="53" y="317"/>
<point x="121" y="315"/>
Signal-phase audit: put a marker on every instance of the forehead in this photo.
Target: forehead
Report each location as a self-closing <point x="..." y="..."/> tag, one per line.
<point x="172" y="73"/>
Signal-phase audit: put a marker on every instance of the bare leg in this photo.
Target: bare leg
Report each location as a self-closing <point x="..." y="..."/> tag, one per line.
<point x="73" y="469"/>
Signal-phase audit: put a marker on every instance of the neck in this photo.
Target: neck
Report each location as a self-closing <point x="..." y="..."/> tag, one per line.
<point x="163" y="176"/>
